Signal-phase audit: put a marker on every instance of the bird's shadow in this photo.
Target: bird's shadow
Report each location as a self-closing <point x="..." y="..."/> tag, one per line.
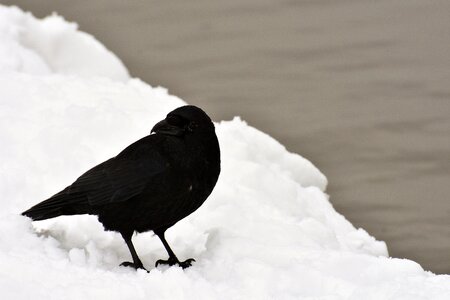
<point x="84" y="242"/>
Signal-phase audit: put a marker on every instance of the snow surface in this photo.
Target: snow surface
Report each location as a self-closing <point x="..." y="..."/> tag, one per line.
<point x="268" y="230"/>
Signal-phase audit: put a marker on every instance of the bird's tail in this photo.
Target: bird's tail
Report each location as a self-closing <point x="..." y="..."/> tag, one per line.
<point x="58" y="205"/>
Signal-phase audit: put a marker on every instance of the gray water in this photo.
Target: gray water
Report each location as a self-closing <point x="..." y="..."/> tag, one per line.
<point x="361" y="88"/>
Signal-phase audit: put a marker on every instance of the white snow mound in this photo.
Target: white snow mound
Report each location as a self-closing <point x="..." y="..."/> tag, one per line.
<point x="267" y="231"/>
<point x="53" y="45"/>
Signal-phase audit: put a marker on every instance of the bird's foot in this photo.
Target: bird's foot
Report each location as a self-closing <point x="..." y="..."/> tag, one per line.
<point x="133" y="265"/>
<point x="187" y="263"/>
<point x="174" y="261"/>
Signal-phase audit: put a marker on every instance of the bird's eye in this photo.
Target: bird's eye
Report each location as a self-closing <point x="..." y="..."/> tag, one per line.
<point x="192" y="125"/>
<point x="174" y="120"/>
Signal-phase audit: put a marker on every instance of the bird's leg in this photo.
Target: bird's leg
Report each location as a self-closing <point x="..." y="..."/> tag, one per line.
<point x="137" y="264"/>
<point x="172" y="257"/>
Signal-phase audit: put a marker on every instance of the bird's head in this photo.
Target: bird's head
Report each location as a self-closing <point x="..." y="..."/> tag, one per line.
<point x="184" y="120"/>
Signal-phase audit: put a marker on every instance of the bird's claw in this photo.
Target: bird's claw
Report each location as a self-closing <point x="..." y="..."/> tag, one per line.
<point x="174" y="261"/>
<point x="187" y="263"/>
<point x="132" y="265"/>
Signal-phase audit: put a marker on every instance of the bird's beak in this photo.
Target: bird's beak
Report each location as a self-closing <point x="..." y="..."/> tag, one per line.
<point x="165" y="128"/>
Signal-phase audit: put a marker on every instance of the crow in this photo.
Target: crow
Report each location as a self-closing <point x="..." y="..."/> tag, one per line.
<point x="150" y="185"/>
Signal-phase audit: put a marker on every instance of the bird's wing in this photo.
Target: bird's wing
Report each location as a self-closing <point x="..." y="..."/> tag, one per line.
<point x="120" y="178"/>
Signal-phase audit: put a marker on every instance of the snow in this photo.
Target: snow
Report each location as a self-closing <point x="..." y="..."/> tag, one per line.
<point x="267" y="231"/>
<point x="52" y="45"/>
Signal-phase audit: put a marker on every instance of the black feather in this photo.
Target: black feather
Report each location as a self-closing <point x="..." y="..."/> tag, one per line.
<point x="150" y="185"/>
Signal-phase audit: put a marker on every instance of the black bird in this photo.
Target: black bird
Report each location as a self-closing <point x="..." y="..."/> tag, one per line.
<point x="150" y="185"/>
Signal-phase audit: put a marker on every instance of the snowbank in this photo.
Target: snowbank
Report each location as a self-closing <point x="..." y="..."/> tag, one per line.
<point x="52" y="45"/>
<point x="267" y="231"/>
